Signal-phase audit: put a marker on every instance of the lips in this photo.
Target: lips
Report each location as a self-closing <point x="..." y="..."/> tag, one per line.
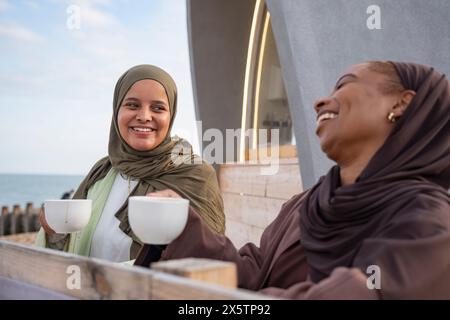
<point x="142" y="130"/>
<point x="323" y="116"/>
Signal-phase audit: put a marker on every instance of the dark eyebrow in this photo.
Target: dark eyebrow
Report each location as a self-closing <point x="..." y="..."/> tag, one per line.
<point x="131" y="99"/>
<point x="351" y="75"/>
<point x="160" y="102"/>
<point x="154" y="101"/>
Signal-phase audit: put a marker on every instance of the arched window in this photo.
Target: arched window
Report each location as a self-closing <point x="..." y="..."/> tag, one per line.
<point x="265" y="103"/>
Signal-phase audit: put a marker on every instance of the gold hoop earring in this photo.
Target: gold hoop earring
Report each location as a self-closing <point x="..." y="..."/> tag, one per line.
<point x="391" y="117"/>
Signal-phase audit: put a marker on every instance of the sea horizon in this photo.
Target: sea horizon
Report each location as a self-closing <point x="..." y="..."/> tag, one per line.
<point x="21" y="188"/>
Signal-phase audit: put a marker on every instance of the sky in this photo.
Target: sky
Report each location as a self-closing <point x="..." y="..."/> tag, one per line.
<point x="60" y="60"/>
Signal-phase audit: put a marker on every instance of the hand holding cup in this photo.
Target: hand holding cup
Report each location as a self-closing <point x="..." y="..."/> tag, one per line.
<point x="65" y="216"/>
<point x="158" y="219"/>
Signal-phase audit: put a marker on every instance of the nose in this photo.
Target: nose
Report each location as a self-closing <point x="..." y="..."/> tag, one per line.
<point x="144" y="114"/>
<point x="321" y="102"/>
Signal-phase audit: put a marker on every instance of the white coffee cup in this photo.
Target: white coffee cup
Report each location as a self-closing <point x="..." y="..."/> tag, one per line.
<point x="68" y="215"/>
<point x="157" y="220"/>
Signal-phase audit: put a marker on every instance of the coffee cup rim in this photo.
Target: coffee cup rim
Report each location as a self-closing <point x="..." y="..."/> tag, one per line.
<point x="159" y="199"/>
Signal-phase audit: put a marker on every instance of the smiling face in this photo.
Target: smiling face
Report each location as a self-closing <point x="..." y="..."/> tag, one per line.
<point x="353" y="119"/>
<point x="144" y="115"/>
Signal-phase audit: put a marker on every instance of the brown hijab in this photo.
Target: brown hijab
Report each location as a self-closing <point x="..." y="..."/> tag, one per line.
<point x="170" y="165"/>
<point x="397" y="213"/>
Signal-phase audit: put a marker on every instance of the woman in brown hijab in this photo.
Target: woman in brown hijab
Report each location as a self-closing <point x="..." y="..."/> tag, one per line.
<point x="143" y="158"/>
<point x="377" y="225"/>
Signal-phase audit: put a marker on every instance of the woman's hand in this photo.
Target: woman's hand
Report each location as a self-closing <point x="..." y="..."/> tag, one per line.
<point x="166" y="193"/>
<point x="44" y="223"/>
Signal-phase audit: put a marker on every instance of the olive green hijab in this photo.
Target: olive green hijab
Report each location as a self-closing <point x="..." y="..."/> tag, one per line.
<point x="171" y="165"/>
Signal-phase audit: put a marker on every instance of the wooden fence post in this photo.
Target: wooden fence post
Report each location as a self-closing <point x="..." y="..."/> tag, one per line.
<point x="4" y="221"/>
<point x="16" y="217"/>
<point x="26" y="218"/>
<point x="35" y="224"/>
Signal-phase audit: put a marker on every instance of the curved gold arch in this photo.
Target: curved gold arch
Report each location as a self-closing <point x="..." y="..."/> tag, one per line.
<point x="253" y="94"/>
<point x="252" y="52"/>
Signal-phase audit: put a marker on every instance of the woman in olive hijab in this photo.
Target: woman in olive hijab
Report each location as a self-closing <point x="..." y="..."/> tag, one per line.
<point x="143" y="158"/>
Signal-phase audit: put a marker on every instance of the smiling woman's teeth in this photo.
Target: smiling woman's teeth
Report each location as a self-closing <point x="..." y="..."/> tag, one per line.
<point x="326" y="116"/>
<point x="143" y="129"/>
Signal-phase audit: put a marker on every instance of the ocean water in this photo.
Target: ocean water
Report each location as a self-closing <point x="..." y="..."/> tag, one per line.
<point x="23" y="188"/>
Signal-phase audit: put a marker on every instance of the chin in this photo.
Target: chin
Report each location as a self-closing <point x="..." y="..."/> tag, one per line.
<point x="329" y="148"/>
<point x="143" y="147"/>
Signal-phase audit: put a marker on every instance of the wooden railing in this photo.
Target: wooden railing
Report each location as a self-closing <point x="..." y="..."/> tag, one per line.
<point x="88" y="278"/>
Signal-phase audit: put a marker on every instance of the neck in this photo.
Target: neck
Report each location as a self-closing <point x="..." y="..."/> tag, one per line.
<point x="352" y="168"/>
<point x="350" y="174"/>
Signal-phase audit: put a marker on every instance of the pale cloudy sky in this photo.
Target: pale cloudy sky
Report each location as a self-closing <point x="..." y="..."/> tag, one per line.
<point x="56" y="83"/>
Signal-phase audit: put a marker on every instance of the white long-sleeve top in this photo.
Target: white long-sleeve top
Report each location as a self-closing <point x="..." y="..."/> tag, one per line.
<point x="109" y="242"/>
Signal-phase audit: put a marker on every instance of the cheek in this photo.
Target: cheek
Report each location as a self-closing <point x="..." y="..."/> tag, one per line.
<point x="122" y="121"/>
<point x="365" y="124"/>
<point x="362" y="108"/>
<point x="164" y="122"/>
